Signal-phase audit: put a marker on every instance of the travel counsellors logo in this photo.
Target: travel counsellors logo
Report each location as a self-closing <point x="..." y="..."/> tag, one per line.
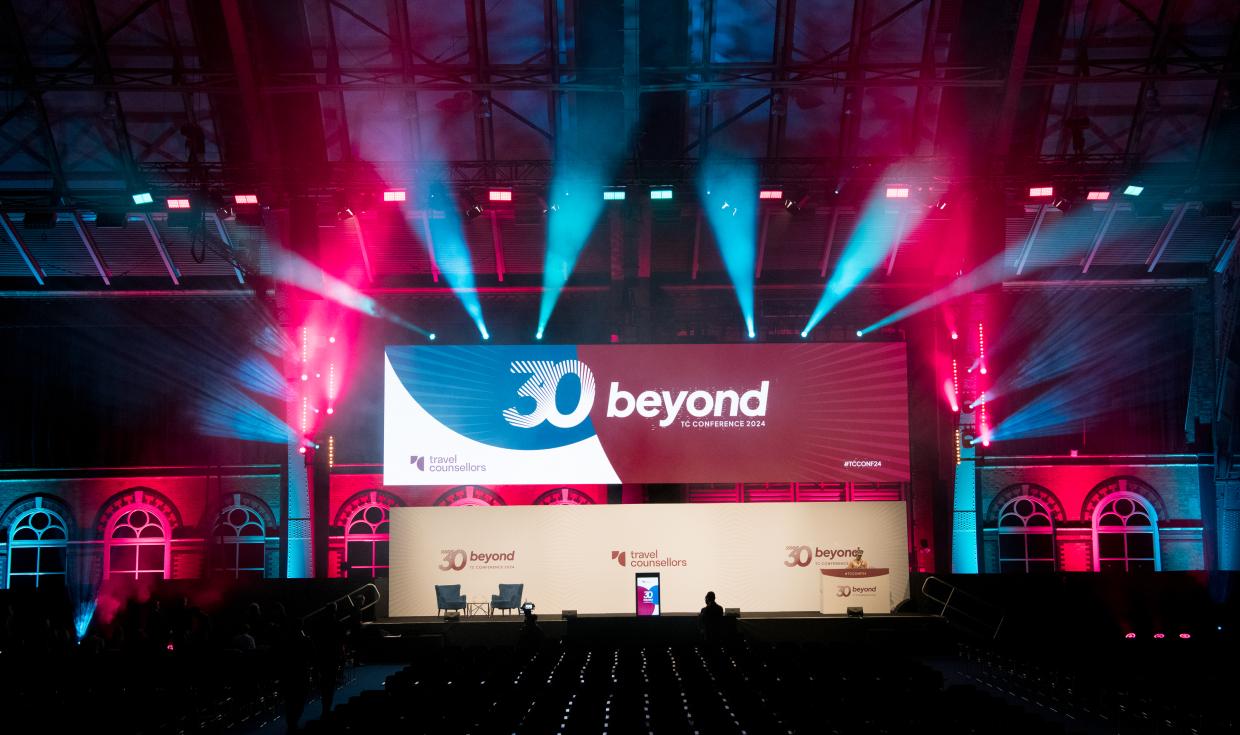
<point x="645" y="559"/>
<point x="439" y="463"/>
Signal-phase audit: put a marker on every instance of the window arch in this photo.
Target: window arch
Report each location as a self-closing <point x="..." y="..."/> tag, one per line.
<point x="366" y="541"/>
<point x="240" y="536"/>
<point x="1126" y="534"/>
<point x="38" y="548"/>
<point x="137" y="542"/>
<point x="1026" y="536"/>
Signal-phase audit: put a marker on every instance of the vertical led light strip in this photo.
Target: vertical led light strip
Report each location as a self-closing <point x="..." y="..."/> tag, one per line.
<point x="331" y="451"/>
<point x="982" y="423"/>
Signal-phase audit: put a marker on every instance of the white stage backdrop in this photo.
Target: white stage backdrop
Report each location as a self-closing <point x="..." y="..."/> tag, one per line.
<point x="761" y="557"/>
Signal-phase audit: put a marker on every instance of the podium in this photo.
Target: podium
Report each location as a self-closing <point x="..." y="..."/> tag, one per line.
<point x="869" y="589"/>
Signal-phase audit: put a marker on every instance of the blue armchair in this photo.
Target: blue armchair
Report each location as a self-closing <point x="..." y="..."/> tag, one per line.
<point x="449" y="597"/>
<point x="509" y="597"/>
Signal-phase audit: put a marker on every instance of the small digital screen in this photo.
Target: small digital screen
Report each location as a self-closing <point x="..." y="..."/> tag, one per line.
<point x="647" y="594"/>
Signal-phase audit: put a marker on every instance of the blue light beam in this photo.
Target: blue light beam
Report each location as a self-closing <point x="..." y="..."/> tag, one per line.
<point x="576" y="208"/>
<point x="870" y="243"/>
<point x="729" y="195"/>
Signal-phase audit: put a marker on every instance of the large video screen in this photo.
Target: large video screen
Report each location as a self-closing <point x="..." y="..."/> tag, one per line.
<point x="465" y="415"/>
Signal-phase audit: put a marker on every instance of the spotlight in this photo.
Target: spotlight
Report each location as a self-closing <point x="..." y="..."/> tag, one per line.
<point x="1041" y="192"/>
<point x="1130" y="636"/>
<point x="394" y="195"/>
<point x="940" y="204"/>
<point x="143" y="198"/>
<point x="331" y="340"/>
<point x="485" y="333"/>
<point x="660" y="194"/>
<point x="859" y="333"/>
<point x="330" y="410"/>
<point x="179" y="203"/>
<point x="1097" y="196"/>
<point x="771" y="194"/>
<point x="1132" y="190"/>
<point x="500" y="195"/>
<point x="897" y="192"/>
<point x="245" y="199"/>
<point x="955" y="335"/>
<point x="305" y="376"/>
<point x="538" y="335"/>
<point x="344" y="213"/>
<point x="1185" y="636"/>
<point x="431" y="336"/>
<point x="804" y="335"/>
<point x="472" y="211"/>
<point x="1062" y="203"/>
<point x="1159" y="636"/>
<point x="301" y="450"/>
<point x="613" y="195"/>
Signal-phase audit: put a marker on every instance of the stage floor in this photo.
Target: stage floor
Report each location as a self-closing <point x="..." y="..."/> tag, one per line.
<point x="403" y="635"/>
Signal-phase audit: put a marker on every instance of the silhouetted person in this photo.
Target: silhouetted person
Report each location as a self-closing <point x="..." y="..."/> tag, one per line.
<point x="293" y="657"/>
<point x="711" y="618"/>
<point x="328" y="640"/>
<point x="531" y="637"/>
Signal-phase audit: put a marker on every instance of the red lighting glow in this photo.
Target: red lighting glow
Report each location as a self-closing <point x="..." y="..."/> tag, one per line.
<point x="1130" y="636"/>
<point x="301" y="450"/>
<point x="1041" y="191"/>
<point x="955" y="335"/>
<point x="1098" y="196"/>
<point x="897" y="192"/>
<point x="178" y="204"/>
<point x="499" y="195"/>
<point x="246" y="199"/>
<point x="396" y="195"/>
<point x="1185" y="636"/>
<point x="1159" y="636"/>
<point x="771" y="194"/>
<point x="950" y="392"/>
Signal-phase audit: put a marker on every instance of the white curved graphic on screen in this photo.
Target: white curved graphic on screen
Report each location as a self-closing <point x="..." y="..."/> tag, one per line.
<point x="415" y="445"/>
<point x="542" y="387"/>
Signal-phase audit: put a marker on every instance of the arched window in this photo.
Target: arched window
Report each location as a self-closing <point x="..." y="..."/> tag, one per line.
<point x="38" y="542"/>
<point x="366" y="541"/>
<point x="1126" y="534"/>
<point x="240" y="543"/>
<point x="1026" y="536"/>
<point x="137" y="543"/>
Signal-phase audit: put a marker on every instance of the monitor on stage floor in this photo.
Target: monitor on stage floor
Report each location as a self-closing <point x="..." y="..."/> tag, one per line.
<point x="647" y="593"/>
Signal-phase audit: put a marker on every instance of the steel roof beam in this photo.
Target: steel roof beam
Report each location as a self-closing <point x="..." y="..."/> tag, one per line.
<point x="88" y="241"/>
<point x="14" y="237"/>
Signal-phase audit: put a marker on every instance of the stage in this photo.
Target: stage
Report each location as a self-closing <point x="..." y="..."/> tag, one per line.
<point x="402" y="637"/>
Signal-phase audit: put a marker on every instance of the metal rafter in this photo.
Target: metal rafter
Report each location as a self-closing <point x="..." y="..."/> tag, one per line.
<point x="26" y="81"/>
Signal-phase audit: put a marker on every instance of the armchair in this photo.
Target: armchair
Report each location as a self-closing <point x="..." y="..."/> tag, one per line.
<point x="448" y="597"/>
<point x="509" y="597"/>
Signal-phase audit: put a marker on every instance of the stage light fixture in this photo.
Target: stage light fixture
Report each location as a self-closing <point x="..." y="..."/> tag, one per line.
<point x="955" y="335"/>
<point x="1097" y="196"/>
<point x="331" y="340"/>
<point x="143" y="198"/>
<point x="301" y="450"/>
<point x="179" y="203"/>
<point x="499" y="195"/>
<point x="1130" y="636"/>
<point x="660" y="194"/>
<point x="473" y="211"/>
<point x="1041" y="192"/>
<point x="538" y="335"/>
<point x="615" y="195"/>
<point x="330" y="410"/>
<point x="394" y="195"/>
<point x="245" y="199"/>
<point x="860" y="333"/>
<point x="1132" y="190"/>
<point x="1159" y="636"/>
<point x="897" y="192"/>
<point x="1185" y="636"/>
<point x="431" y="336"/>
<point x="344" y="213"/>
<point x="771" y="194"/>
<point x="1063" y="203"/>
<point x="804" y="334"/>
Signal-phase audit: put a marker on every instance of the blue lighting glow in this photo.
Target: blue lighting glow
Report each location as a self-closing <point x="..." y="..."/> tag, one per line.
<point x="448" y="247"/>
<point x="143" y="198"/>
<point x="81" y="618"/>
<point x="870" y="243"/>
<point x="613" y="196"/>
<point x="574" y="208"/>
<point x="1133" y="190"/>
<point x="735" y="227"/>
<point x="660" y="194"/>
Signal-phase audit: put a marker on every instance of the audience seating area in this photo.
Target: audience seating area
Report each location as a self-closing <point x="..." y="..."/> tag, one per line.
<point x="743" y="687"/>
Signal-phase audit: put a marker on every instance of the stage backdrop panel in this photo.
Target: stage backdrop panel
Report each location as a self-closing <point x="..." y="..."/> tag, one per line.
<point x="645" y="414"/>
<point x="760" y="557"/>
